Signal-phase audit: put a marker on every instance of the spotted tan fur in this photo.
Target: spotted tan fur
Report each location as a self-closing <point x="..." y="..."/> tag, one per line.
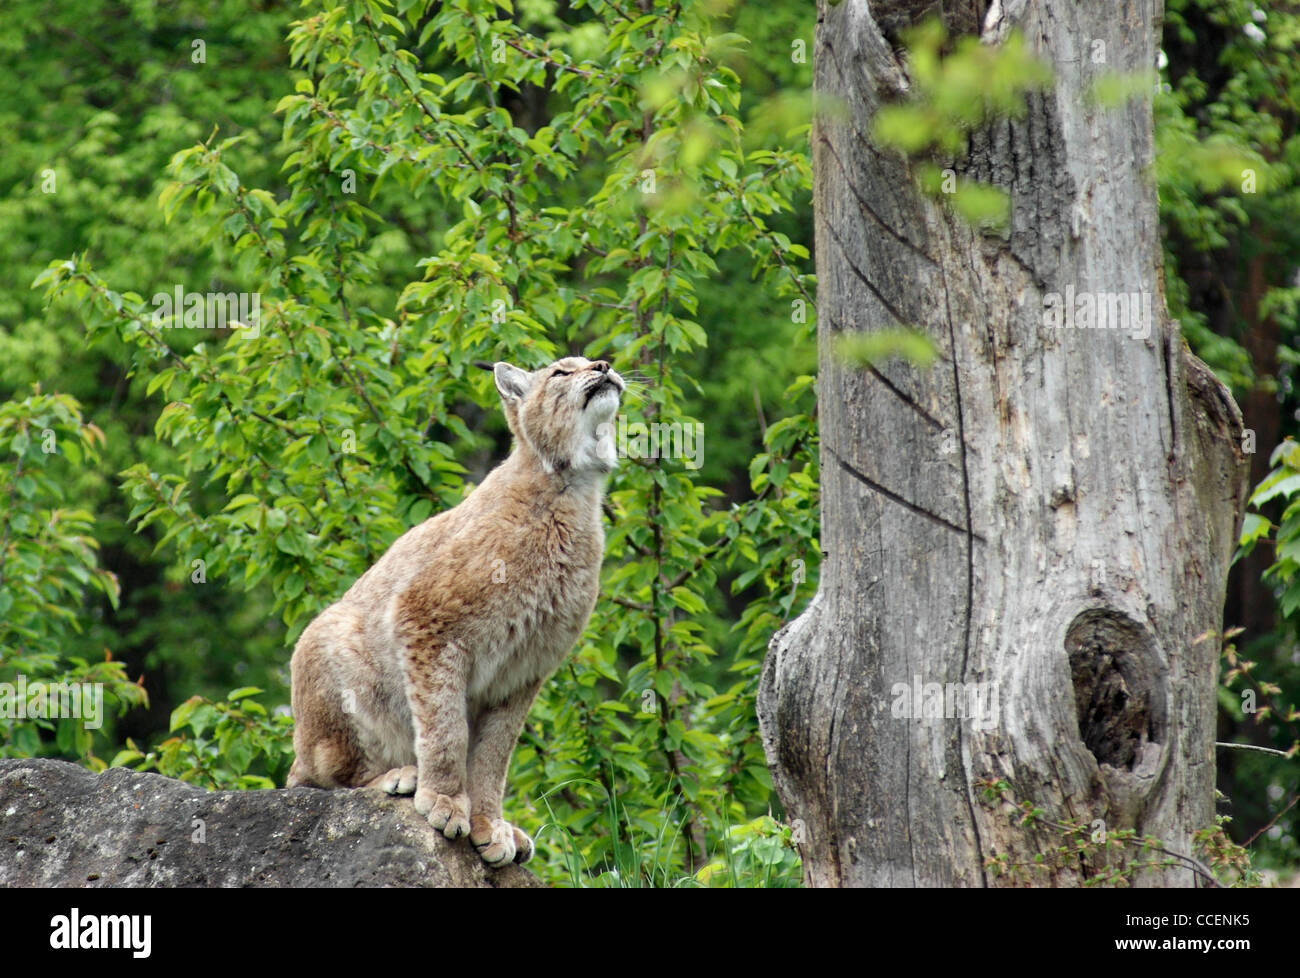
<point x="418" y="680"/>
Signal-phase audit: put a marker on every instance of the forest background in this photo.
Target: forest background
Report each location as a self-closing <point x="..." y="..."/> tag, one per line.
<point x="409" y="187"/>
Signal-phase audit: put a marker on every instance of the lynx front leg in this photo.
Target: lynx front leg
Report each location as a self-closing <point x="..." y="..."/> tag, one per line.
<point x="496" y="730"/>
<point x="438" y="676"/>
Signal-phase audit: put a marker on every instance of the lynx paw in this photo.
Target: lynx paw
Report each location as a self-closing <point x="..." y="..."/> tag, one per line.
<point x="398" y="781"/>
<point x="499" y="842"/>
<point x="448" y="814"/>
<point x="523" y="846"/>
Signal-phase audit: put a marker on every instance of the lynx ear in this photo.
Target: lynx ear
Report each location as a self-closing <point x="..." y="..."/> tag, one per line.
<point x="512" y="383"/>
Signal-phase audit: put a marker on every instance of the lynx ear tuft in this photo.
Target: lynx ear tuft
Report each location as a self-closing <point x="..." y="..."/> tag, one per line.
<point x="512" y="383"/>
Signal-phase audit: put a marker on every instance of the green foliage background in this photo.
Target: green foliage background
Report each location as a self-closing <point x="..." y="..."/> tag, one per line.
<point x="411" y="186"/>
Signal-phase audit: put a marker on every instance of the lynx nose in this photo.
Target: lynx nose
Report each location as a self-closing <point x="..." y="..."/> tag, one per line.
<point x="601" y="365"/>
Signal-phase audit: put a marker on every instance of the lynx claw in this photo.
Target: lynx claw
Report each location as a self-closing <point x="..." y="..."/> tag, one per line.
<point x="523" y="846"/>
<point x="448" y="815"/>
<point x="498" y="842"/>
<point x="398" y="781"/>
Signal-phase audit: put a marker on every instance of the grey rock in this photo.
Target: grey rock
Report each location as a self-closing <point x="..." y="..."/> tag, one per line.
<point x="61" y="825"/>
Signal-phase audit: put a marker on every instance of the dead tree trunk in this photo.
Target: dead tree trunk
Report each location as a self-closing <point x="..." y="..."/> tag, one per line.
<point x="1045" y="515"/>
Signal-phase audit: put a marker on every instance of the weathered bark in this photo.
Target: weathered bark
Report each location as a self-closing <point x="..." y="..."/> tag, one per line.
<point x="1050" y="511"/>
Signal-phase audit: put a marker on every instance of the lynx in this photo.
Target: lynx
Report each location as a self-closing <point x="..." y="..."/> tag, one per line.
<point x="418" y="680"/>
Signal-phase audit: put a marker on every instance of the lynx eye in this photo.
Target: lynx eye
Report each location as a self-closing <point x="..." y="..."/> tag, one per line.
<point x="561" y="373"/>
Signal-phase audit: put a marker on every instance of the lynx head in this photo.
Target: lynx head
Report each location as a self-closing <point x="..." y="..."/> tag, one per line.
<point x="563" y="412"/>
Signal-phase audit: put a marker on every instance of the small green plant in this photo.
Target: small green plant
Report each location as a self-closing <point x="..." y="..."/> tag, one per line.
<point x="1242" y="693"/>
<point x="757" y="853"/>
<point x="225" y="745"/>
<point x="1283" y="484"/>
<point x="1230" y="862"/>
<point x="48" y="562"/>
<point x="1107" y="857"/>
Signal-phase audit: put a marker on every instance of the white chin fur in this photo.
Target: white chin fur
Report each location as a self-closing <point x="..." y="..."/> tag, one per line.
<point x="598" y="452"/>
<point x="603" y="405"/>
